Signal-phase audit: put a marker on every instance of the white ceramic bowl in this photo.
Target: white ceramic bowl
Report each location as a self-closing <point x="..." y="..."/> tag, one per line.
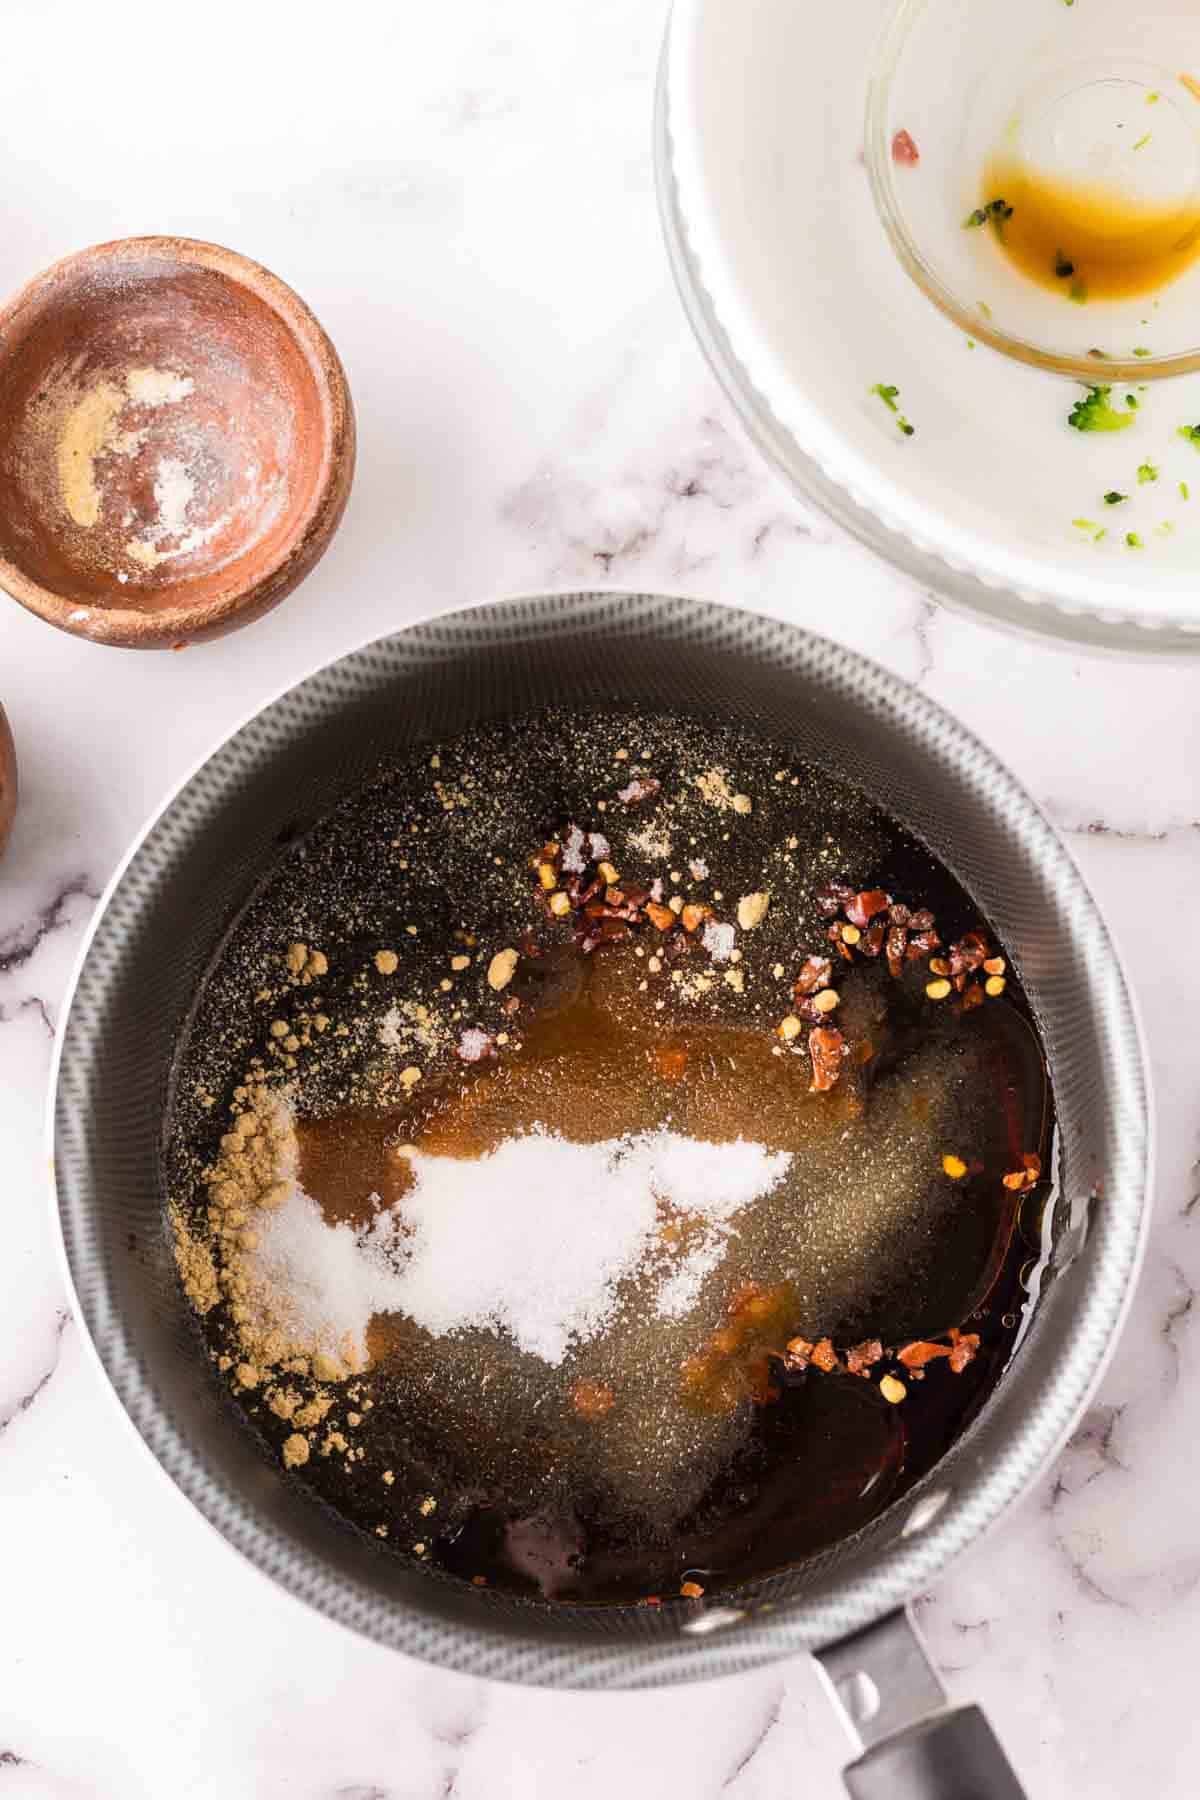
<point x="802" y="307"/>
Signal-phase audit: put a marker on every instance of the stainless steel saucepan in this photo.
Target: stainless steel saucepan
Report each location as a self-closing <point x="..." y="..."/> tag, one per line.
<point x="207" y="851"/>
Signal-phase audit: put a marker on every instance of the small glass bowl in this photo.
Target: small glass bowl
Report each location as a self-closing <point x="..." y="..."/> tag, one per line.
<point x="1084" y="116"/>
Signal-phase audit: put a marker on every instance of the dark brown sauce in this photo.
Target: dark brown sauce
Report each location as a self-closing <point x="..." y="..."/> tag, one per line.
<point x="714" y="1462"/>
<point x="812" y="1457"/>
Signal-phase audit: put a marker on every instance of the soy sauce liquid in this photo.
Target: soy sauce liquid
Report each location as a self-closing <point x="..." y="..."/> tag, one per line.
<point x="714" y="1464"/>
<point x="812" y="1456"/>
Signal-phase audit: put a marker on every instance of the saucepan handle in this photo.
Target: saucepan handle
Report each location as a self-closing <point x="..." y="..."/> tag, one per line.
<point x="914" y="1747"/>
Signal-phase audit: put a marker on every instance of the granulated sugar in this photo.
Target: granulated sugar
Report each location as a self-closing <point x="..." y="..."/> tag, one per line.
<point x="532" y="1240"/>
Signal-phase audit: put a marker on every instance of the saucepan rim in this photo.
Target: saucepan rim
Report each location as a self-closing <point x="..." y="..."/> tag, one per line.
<point x="735" y="1639"/>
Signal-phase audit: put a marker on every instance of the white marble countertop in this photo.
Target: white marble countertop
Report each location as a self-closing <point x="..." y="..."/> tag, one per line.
<point x="465" y="196"/>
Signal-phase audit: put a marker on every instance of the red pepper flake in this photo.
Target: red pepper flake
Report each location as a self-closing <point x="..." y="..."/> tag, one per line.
<point x="915" y="1356"/>
<point x="897" y="940"/>
<point x="797" y="1353"/>
<point x="860" y="1356"/>
<point x="824" y="1356"/>
<point x="691" y="1590"/>
<point x="965" y="1344"/>
<point x="968" y="954"/>
<point x="834" y="934"/>
<point x="816" y="972"/>
<point x="639" y="789"/>
<point x="862" y="908"/>
<point x="1026" y="1176"/>
<point x="650" y="1600"/>
<point x="904" y="150"/>
<point x="826" y="1047"/>
<point x="873" y="938"/>
<point x="479" y="1581"/>
<point x="831" y="899"/>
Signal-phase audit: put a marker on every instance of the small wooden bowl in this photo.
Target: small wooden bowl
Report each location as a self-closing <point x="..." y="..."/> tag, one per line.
<point x="8" y="780"/>
<point x="176" y="442"/>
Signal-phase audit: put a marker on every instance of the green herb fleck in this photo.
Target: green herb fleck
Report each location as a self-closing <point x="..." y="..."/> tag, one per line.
<point x="998" y="211"/>
<point x="1191" y="433"/>
<point x="1131" y="402"/>
<point x="985" y="309"/>
<point x="1085" y="524"/>
<point x="889" y="395"/>
<point x="1112" y="498"/>
<point x="1093" y="412"/>
<point x="1184" y="493"/>
<point x="1146" y="472"/>
<point x="1140" y="350"/>
<point x="1134" y="541"/>
<point x="1152" y="98"/>
<point x="1079" y="293"/>
<point x="1143" y="141"/>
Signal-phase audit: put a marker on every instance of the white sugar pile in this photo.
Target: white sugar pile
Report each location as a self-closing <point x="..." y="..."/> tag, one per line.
<point x="532" y="1239"/>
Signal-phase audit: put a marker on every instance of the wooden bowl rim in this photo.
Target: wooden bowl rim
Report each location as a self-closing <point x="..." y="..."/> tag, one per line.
<point x="126" y="625"/>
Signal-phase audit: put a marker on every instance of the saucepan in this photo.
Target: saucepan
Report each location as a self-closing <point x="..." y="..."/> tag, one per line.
<point x="206" y="853"/>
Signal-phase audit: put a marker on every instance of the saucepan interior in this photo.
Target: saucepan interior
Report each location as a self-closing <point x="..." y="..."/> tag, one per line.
<point x="209" y="850"/>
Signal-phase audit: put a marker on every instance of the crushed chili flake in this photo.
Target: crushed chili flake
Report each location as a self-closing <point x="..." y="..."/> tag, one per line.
<point x="916" y="1355"/>
<point x="1027" y="1176"/>
<point x="860" y="1357"/>
<point x="639" y="789"/>
<point x="826" y="1047"/>
<point x="861" y="908"/>
<point x="874" y="938"/>
<point x="968" y="954"/>
<point x="815" y="973"/>
<point x="692" y="1590"/>
<point x="904" y="150"/>
<point x="824" y="1356"/>
<point x="831" y="899"/>
<point x="965" y="1343"/>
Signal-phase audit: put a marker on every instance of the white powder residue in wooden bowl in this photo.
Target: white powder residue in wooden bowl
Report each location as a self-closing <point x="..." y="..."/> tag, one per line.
<point x="89" y="430"/>
<point x="532" y="1239"/>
